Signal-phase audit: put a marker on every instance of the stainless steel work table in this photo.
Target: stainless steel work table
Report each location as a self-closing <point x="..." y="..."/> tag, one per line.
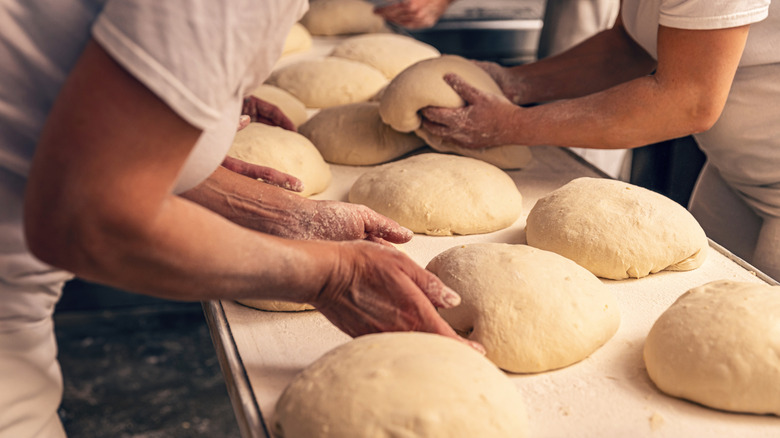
<point x="606" y="395"/>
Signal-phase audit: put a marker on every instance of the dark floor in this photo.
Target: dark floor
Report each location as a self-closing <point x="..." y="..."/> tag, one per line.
<point x="138" y="367"/>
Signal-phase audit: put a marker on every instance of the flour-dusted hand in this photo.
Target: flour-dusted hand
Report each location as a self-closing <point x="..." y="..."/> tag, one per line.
<point x="261" y="111"/>
<point x="414" y="14"/>
<point x="375" y="288"/>
<point x="485" y="120"/>
<point x="263" y="173"/>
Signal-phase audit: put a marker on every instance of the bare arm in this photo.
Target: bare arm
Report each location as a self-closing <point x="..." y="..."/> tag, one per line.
<point x="685" y="95"/>
<point x="99" y="204"/>
<point x="414" y="14"/>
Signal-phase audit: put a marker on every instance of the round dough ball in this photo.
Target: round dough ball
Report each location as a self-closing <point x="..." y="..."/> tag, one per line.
<point x="293" y="108"/>
<point x="275" y="306"/>
<point x="326" y="82"/>
<point x="342" y="17"/>
<point x="616" y="230"/>
<point x="719" y="345"/>
<point x="298" y="40"/>
<point x="440" y="194"/>
<point x="533" y="310"/>
<point x="387" y="52"/>
<point x="402" y="384"/>
<point x="355" y="135"/>
<point x="422" y="85"/>
<point x="285" y="151"/>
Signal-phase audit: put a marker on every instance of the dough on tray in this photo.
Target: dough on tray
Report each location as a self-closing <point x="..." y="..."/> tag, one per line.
<point x="422" y="85"/>
<point x="298" y="40"/>
<point x="329" y="81"/>
<point x="616" y="230"/>
<point x="354" y="135"/>
<point x="342" y="17"/>
<point x="440" y="194"/>
<point x="402" y="384"/>
<point x="387" y="52"/>
<point x="719" y="345"/>
<point x="533" y="310"/>
<point x="285" y="151"/>
<point x="276" y="306"/>
<point x="293" y="108"/>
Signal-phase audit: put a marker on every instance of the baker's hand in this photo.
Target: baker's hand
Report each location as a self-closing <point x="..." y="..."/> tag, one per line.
<point x="484" y="121"/>
<point x="414" y="14"/>
<point x="503" y="77"/>
<point x="261" y="111"/>
<point x="265" y="174"/>
<point x="374" y="288"/>
<point x="334" y="220"/>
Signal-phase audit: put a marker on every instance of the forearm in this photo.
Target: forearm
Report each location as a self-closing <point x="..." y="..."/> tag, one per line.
<point x="248" y="202"/>
<point x="607" y="59"/>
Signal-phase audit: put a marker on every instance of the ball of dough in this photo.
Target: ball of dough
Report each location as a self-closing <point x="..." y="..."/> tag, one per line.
<point x="401" y="385"/>
<point x="422" y="85"/>
<point x="440" y="195"/>
<point x="293" y="108"/>
<point x="616" y="230"/>
<point x="355" y="135"/>
<point x="533" y="310"/>
<point x="719" y="345"/>
<point x="342" y="17"/>
<point x="285" y="151"/>
<point x="329" y="81"/>
<point x="276" y="306"/>
<point x="387" y="52"/>
<point x="298" y="40"/>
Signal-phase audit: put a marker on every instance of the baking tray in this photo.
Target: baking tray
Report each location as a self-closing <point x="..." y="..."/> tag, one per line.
<point x="606" y="395"/>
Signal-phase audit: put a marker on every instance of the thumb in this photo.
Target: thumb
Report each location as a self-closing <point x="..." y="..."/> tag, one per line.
<point x="465" y="90"/>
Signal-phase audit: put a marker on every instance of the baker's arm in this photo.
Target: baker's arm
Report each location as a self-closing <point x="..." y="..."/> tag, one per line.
<point x="99" y="203"/>
<point x="685" y="95"/>
<point x="413" y="14"/>
<point x="269" y="209"/>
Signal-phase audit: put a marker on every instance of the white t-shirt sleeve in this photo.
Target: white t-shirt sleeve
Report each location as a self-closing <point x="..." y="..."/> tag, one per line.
<point x="196" y="55"/>
<point x="711" y="14"/>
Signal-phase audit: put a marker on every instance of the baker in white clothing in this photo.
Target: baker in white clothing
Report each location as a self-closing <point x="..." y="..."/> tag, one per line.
<point x="666" y="69"/>
<point x="114" y="118"/>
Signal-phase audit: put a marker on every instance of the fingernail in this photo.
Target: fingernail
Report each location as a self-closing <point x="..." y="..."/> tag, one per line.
<point x="450" y="298"/>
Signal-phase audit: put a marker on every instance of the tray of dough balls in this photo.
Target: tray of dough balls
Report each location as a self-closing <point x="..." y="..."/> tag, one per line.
<point x="604" y="309"/>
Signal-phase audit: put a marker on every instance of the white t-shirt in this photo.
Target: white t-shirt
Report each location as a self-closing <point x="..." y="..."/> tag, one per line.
<point x="744" y="144"/>
<point x="199" y="56"/>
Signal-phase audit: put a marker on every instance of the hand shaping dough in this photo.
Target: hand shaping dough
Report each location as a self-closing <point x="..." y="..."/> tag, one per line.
<point x="342" y="17"/>
<point x="298" y="40"/>
<point x="276" y="306"/>
<point x="719" y="345"/>
<point x="293" y="108"/>
<point x="326" y="82"/>
<point x="285" y="151"/>
<point x="616" y="230"/>
<point x="423" y="85"/>
<point x="403" y="384"/>
<point x="533" y="310"/>
<point x="355" y="135"/>
<point x="387" y="52"/>
<point x="440" y="194"/>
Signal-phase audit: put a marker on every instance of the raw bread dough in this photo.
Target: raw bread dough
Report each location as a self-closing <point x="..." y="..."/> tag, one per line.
<point x="533" y="310"/>
<point x="293" y="108"/>
<point x="423" y="85"/>
<point x="616" y="230"/>
<point x="298" y="40"/>
<point x="329" y="81"/>
<point x="276" y="306"/>
<point x="342" y="17"/>
<point x="355" y="135"/>
<point x="403" y="384"/>
<point x="719" y="345"/>
<point x="285" y="151"/>
<point x="440" y="195"/>
<point x="387" y="52"/>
